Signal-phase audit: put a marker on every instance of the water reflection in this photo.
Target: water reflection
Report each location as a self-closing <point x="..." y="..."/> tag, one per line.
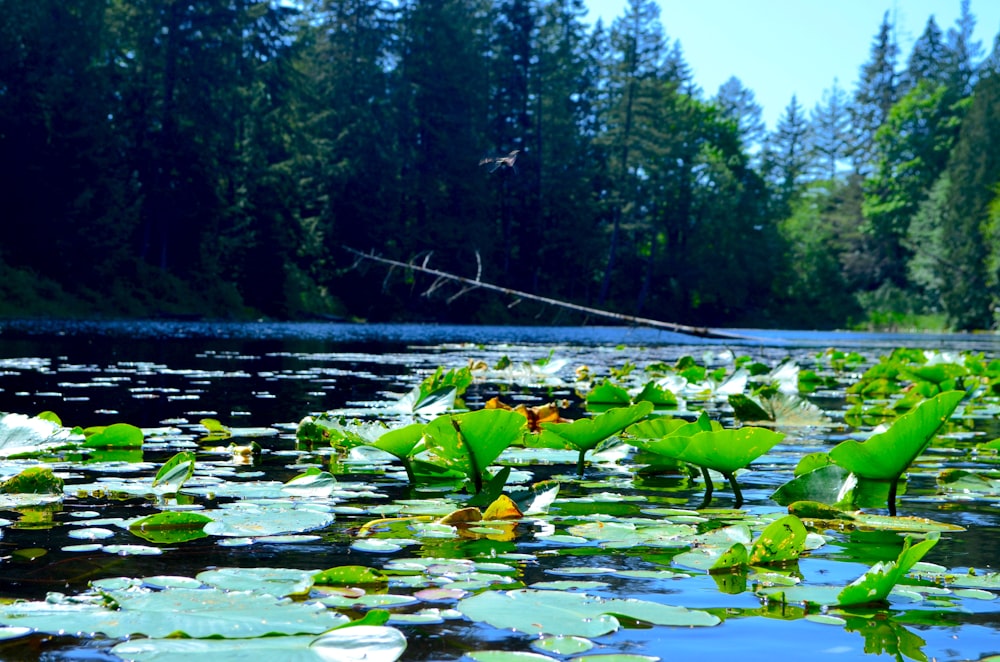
<point x="169" y="375"/>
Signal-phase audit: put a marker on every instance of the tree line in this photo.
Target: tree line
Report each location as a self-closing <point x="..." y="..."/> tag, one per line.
<point x="214" y="157"/>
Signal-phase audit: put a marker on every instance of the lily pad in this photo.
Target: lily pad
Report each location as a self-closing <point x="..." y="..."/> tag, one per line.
<point x="885" y="456"/>
<point x="574" y="614"/>
<point x="279" y="582"/>
<point x="362" y="643"/>
<point x="119" y="435"/>
<point x="175" y="472"/>
<point x="190" y="612"/>
<point x="170" y="527"/>
<point x="873" y="586"/>
<point x="470" y="442"/>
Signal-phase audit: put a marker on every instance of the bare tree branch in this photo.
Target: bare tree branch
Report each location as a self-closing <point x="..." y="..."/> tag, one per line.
<point x="441" y="277"/>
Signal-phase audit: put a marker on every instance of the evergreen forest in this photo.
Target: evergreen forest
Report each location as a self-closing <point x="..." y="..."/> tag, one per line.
<point x="213" y="158"/>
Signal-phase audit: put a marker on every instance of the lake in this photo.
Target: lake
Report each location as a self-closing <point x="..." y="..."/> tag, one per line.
<point x="261" y="379"/>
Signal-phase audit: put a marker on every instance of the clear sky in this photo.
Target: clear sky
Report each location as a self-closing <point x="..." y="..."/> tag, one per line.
<point x="778" y="48"/>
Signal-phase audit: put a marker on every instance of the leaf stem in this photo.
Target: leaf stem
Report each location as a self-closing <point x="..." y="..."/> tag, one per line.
<point x="736" y="488"/>
<point x="891" y="501"/>
<point x="580" y="462"/>
<point x="477" y="477"/>
<point x="709" y="488"/>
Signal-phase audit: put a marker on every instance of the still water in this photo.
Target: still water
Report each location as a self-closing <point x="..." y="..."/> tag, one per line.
<point x="169" y="375"/>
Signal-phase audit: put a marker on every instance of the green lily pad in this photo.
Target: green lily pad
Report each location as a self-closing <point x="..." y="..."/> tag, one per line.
<point x="33" y="480"/>
<point x="312" y="482"/>
<point x="586" y="433"/>
<point x="470" y="442"/>
<point x="873" y="586"/>
<point x="575" y="614"/>
<point x="350" y="575"/>
<point x="119" y="435"/>
<point x="365" y="643"/>
<point x="783" y="540"/>
<point x="20" y="434"/>
<point x="175" y="472"/>
<point x="190" y="612"/>
<point x="885" y="456"/>
<point x="508" y="656"/>
<point x="562" y="645"/>
<point x="721" y="450"/>
<point x="279" y="582"/>
<point x="713" y="559"/>
<point x="171" y="527"/>
<point x="244" y="519"/>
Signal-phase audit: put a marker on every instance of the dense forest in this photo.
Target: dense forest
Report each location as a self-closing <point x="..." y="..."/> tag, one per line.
<point x="214" y="158"/>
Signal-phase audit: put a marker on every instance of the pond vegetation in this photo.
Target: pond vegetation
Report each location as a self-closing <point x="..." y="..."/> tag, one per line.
<point x="496" y="501"/>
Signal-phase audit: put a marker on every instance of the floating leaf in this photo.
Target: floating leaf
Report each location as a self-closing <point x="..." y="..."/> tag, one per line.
<point x="119" y="435"/>
<point x="265" y="519"/>
<point x="20" y="434"/>
<point x="502" y="508"/>
<point x="350" y="575"/>
<point x="33" y="480"/>
<point x="171" y="527"/>
<point x="279" y="582"/>
<point x="781" y="541"/>
<point x="363" y="643"/>
<point x="714" y="559"/>
<point x="560" y="613"/>
<point x="191" y="612"/>
<point x="873" y="586"/>
<point x="312" y="482"/>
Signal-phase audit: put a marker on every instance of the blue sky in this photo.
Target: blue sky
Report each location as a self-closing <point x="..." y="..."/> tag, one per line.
<point x="813" y="42"/>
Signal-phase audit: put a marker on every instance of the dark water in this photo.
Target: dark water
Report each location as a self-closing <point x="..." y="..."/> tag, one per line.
<point x="156" y="374"/>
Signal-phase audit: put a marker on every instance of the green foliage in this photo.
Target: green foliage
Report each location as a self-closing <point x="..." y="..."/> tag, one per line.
<point x="118" y="435"/>
<point x="586" y="433"/>
<point x="33" y="480"/>
<point x="886" y="455"/>
<point x="470" y="442"/>
<point x="174" y="472"/>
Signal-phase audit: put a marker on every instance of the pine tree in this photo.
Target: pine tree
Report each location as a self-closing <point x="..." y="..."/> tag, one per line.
<point x="738" y="104"/>
<point x="635" y="88"/>
<point x="831" y="131"/>
<point x="963" y="52"/>
<point x="876" y="93"/>
<point x="569" y="247"/>
<point x="928" y="60"/>
<point x="788" y="158"/>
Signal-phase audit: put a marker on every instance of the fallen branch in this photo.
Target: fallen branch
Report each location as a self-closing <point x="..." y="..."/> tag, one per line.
<point x="473" y="283"/>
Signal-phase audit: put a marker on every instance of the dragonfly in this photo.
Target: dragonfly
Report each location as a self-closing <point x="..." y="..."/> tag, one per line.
<point x="497" y="162"/>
